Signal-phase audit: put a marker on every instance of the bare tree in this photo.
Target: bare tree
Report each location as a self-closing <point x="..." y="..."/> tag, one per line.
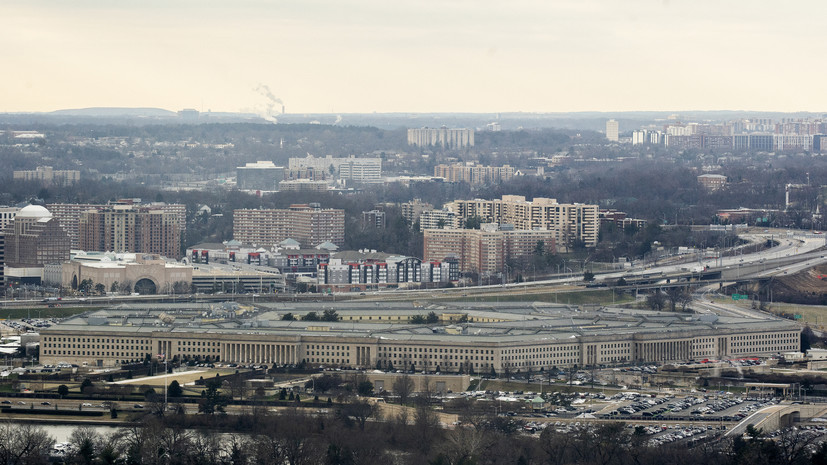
<point x="359" y="410"/>
<point x="403" y="387"/>
<point x="24" y="444"/>
<point x="464" y="445"/>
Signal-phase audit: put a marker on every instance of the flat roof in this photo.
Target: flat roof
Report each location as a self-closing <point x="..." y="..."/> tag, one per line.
<point x="519" y="322"/>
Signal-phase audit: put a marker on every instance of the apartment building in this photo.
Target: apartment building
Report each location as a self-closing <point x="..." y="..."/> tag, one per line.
<point x="310" y="225"/>
<point x="411" y="210"/>
<point x="48" y="176"/>
<point x="441" y="137"/>
<point x="571" y="223"/>
<point x="484" y="250"/>
<point x="612" y="130"/>
<point x="127" y="228"/>
<point x="474" y="174"/>
<point x="68" y="214"/>
<point x="438" y="219"/>
<point x="356" y="271"/>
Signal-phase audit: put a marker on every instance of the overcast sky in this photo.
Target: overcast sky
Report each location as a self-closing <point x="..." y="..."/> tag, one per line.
<point x="345" y="56"/>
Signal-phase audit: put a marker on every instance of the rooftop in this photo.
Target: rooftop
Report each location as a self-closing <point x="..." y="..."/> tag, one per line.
<point x="514" y="321"/>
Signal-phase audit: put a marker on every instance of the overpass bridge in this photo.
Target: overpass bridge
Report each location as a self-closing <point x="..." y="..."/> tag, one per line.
<point x="776" y="417"/>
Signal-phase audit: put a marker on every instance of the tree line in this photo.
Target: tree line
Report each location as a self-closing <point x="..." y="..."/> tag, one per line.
<point x="350" y="435"/>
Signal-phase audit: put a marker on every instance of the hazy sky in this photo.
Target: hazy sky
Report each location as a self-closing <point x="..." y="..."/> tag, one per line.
<point x="414" y="56"/>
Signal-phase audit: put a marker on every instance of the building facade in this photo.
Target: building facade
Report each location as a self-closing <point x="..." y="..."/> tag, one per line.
<point x="570" y="223"/>
<point x="46" y="175"/>
<point x="303" y="185"/>
<point x="309" y="224"/>
<point x="411" y="210"/>
<point x="351" y="168"/>
<point x="261" y="175"/>
<point x="438" y="219"/>
<point x="485" y="250"/>
<point x="145" y="274"/>
<point x="33" y="239"/>
<point x="441" y="137"/>
<point x="126" y="228"/>
<point x="68" y="214"/>
<point x="474" y="174"/>
<point x="612" y="130"/>
<point x="468" y="338"/>
<point x="359" y="274"/>
<point x="712" y="182"/>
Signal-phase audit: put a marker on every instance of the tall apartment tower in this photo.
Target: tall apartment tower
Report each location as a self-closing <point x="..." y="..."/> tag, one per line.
<point x="68" y="214"/>
<point x="125" y="228"/>
<point x="442" y="137"/>
<point x="571" y="222"/>
<point x="6" y="216"/>
<point x="611" y="130"/>
<point x="310" y="225"/>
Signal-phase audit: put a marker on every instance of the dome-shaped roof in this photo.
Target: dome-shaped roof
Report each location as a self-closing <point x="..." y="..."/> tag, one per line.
<point x="33" y="211"/>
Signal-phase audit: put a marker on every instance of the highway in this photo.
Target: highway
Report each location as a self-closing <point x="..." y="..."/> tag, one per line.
<point x="795" y="251"/>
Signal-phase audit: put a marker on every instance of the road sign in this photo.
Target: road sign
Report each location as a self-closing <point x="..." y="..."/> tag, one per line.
<point x="739" y="297"/>
<point x="797" y="317"/>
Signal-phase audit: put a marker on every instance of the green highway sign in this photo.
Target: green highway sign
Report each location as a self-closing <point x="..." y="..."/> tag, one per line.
<point x="739" y="297"/>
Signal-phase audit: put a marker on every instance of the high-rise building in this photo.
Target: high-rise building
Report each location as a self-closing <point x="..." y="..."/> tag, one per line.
<point x="411" y="210"/>
<point x="438" y="219"/>
<point x="33" y="239"/>
<point x="441" y="137"/>
<point x="310" y="225"/>
<point x="68" y="214"/>
<point x="127" y="228"/>
<point x="571" y="223"/>
<point x="612" y="130"/>
<point x="484" y="250"/>
<point x="374" y="219"/>
<point x="6" y="216"/>
<point x="261" y="175"/>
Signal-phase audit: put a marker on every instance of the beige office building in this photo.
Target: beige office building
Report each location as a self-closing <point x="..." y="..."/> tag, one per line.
<point x="502" y="337"/>
<point x="146" y="274"/>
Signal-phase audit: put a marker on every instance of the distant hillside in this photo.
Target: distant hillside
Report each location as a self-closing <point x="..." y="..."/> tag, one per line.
<point x="108" y="112"/>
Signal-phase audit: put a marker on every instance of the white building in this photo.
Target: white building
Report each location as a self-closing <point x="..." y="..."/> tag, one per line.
<point x="442" y="137"/>
<point x="612" y="130"/>
<point x="355" y="169"/>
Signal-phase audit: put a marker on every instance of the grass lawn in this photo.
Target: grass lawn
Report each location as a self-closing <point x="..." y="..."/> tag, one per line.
<point x="502" y="385"/>
<point x="813" y="315"/>
<point x="601" y="297"/>
<point x="43" y="312"/>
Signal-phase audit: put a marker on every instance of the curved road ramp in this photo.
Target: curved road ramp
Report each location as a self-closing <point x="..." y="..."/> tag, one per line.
<point x="776" y="417"/>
